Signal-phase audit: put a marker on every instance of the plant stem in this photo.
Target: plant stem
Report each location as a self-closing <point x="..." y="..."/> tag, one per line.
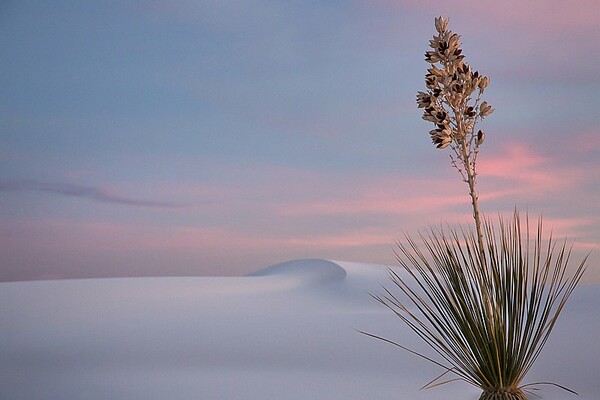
<point x="472" y="182"/>
<point x="471" y="175"/>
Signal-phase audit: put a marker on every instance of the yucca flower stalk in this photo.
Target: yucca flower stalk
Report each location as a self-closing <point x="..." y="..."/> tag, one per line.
<point x="453" y="104"/>
<point x="485" y="300"/>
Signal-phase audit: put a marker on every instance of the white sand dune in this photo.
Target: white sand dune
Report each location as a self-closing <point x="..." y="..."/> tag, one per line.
<point x="286" y="332"/>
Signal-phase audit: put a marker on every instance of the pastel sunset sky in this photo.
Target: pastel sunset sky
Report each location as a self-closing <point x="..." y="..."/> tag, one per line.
<point x="169" y="138"/>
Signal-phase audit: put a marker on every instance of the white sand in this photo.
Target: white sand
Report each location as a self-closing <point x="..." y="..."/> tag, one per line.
<point x="287" y="332"/>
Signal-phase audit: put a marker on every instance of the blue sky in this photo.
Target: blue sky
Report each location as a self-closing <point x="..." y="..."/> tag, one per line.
<point x="214" y="138"/>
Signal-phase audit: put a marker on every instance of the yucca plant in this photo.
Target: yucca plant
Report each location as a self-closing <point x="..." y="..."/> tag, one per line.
<point x="488" y="323"/>
<point x="485" y="300"/>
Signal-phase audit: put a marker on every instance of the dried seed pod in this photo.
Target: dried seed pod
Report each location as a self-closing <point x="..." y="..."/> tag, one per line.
<point x="483" y="83"/>
<point x="441" y="24"/>
<point x="424" y="100"/>
<point x="480" y="137"/>
<point x="485" y="109"/>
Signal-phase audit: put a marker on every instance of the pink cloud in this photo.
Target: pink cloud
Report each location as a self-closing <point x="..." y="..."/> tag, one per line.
<point x="381" y="203"/>
<point x="559" y="228"/>
<point x="516" y="172"/>
<point x="526" y="172"/>
<point x="355" y="238"/>
<point x="591" y="246"/>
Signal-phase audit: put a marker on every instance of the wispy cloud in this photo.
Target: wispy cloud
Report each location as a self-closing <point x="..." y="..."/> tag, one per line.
<point x="386" y="203"/>
<point x="75" y="190"/>
<point x="517" y="163"/>
<point x="517" y="170"/>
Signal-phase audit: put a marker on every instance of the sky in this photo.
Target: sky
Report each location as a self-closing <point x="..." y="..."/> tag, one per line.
<point x="215" y="138"/>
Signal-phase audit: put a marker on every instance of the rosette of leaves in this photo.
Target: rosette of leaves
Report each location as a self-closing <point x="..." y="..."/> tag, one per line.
<point x="486" y="323"/>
